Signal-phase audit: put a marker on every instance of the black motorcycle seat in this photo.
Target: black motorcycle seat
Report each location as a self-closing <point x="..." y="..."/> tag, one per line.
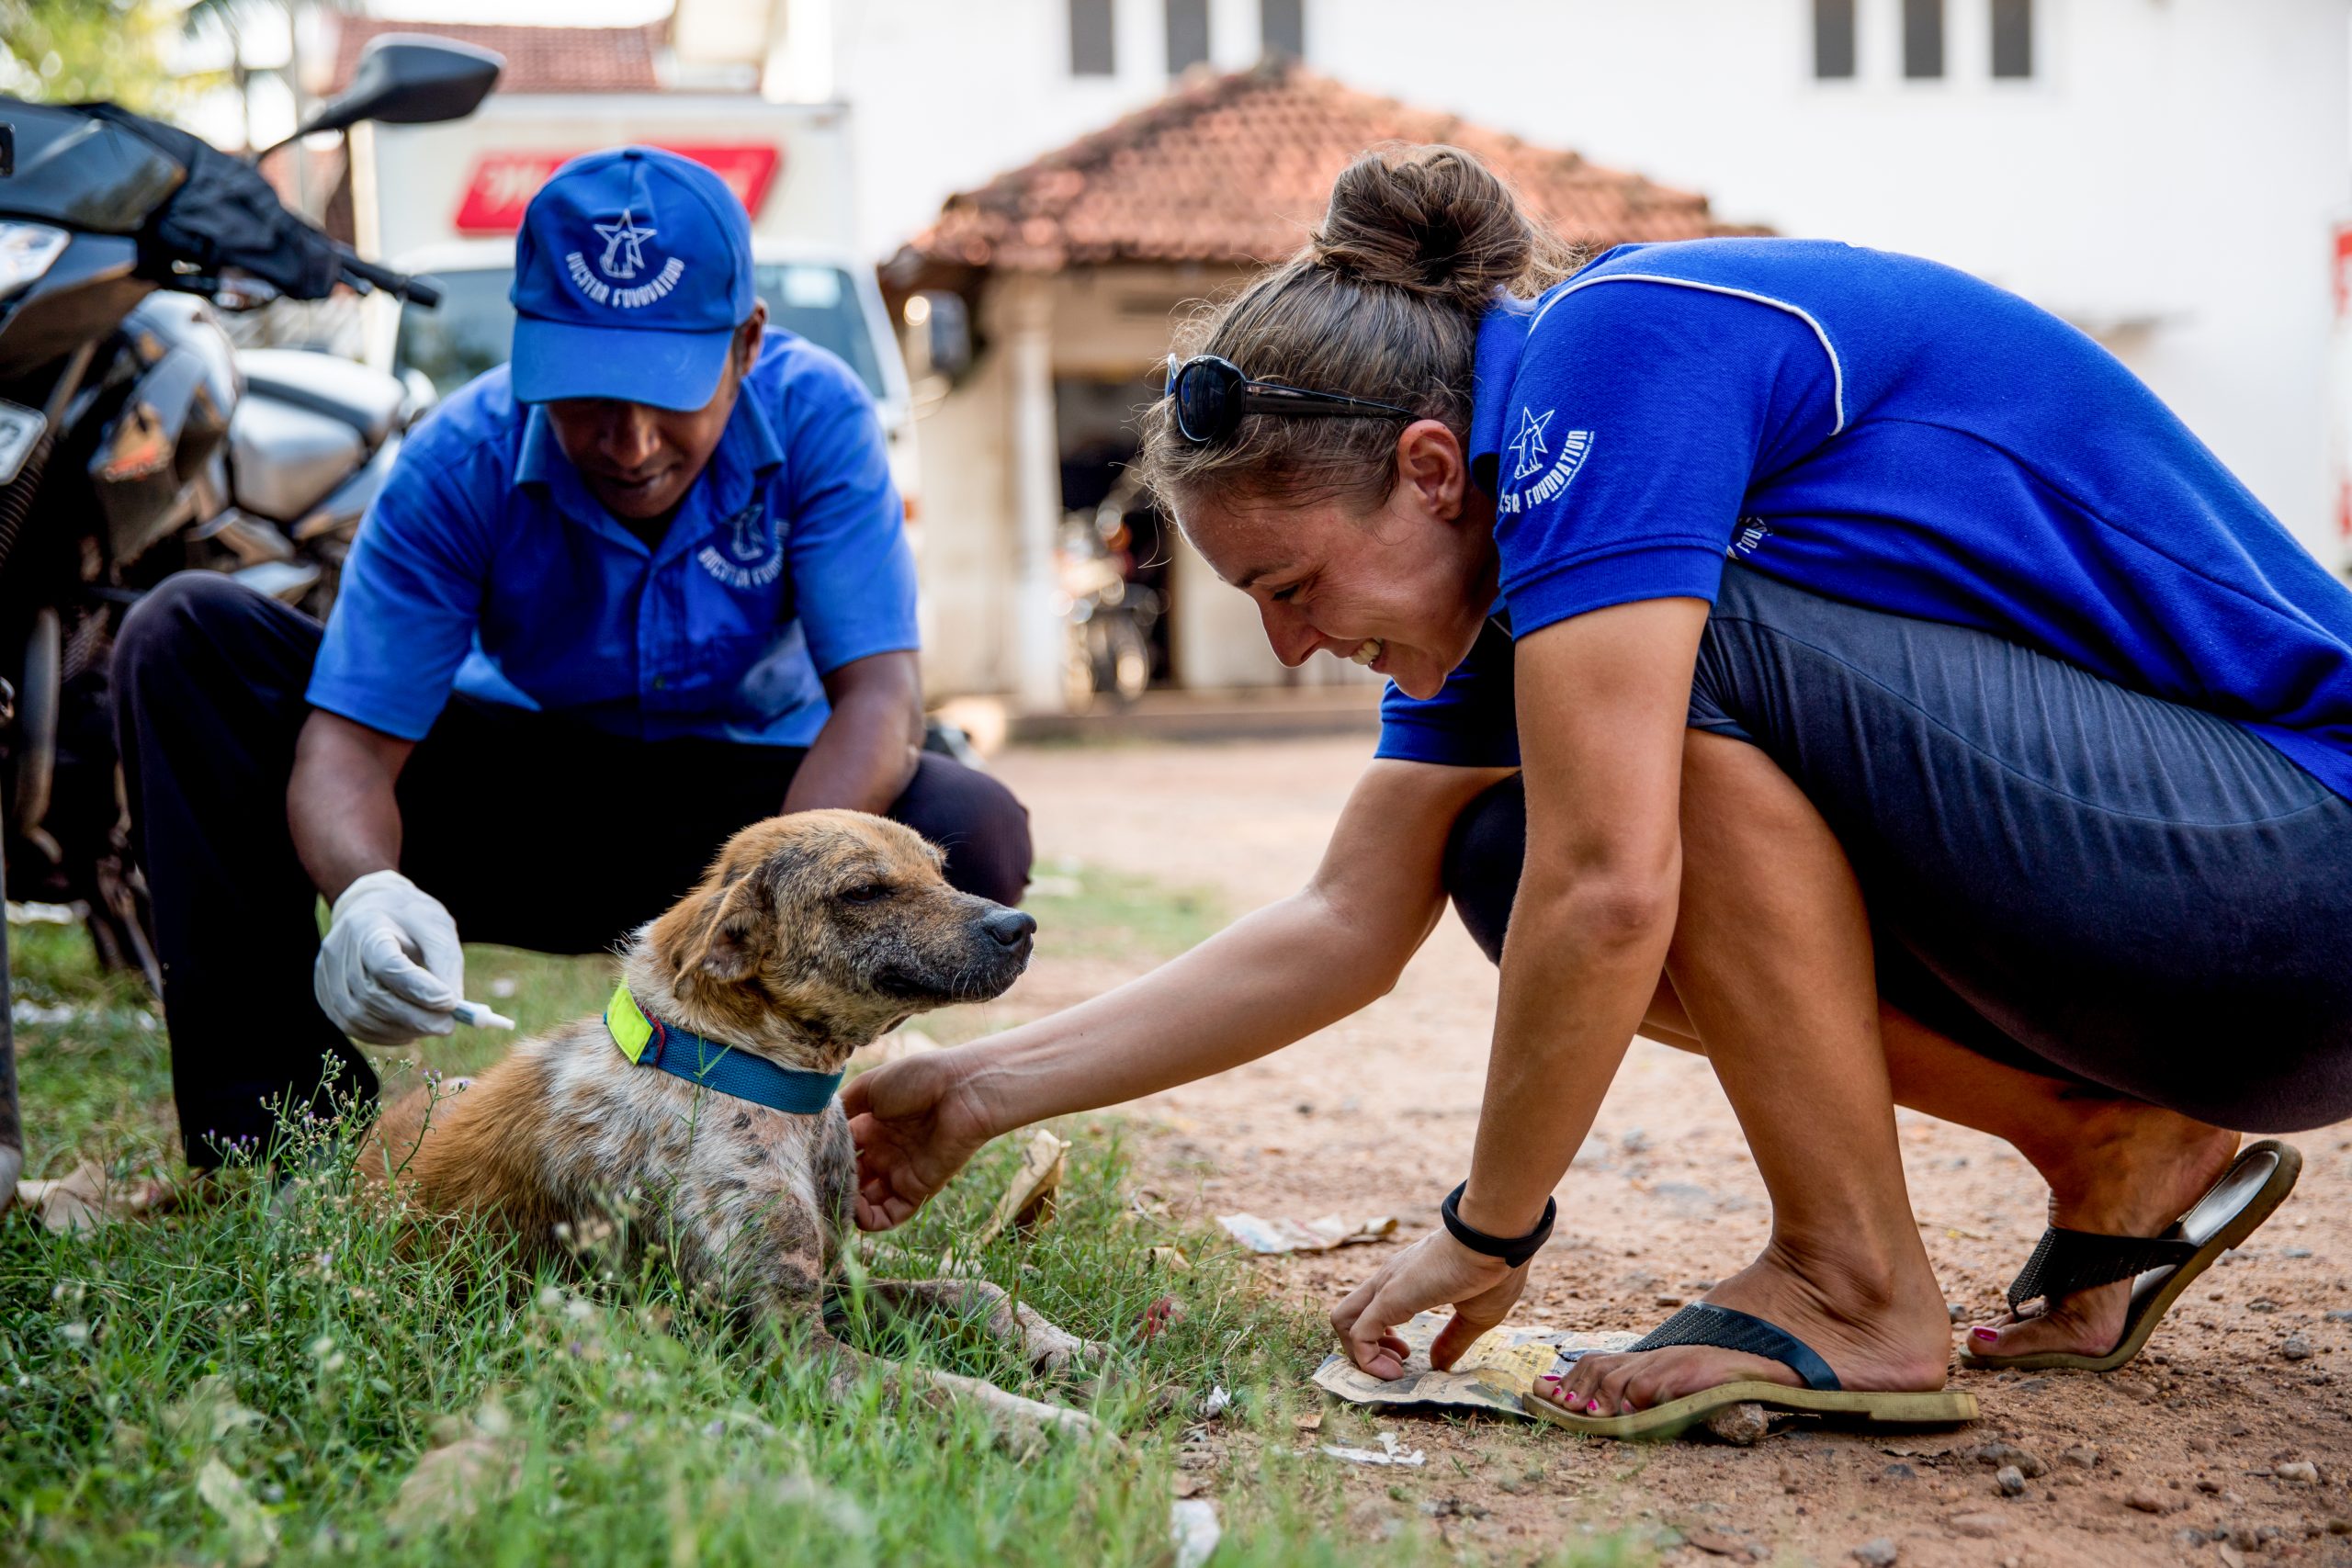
<point x="367" y="401"/>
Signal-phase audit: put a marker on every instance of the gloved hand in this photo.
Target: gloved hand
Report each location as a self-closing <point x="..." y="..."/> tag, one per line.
<point x="391" y="968"/>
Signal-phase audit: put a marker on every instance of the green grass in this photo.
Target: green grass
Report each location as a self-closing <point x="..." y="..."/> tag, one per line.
<point x="1091" y="912"/>
<point x="255" y="1380"/>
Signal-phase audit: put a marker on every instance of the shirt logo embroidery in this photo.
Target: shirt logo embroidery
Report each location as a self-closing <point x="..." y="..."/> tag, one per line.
<point x="753" y="556"/>
<point x="1753" y="532"/>
<point x="623" y="258"/>
<point x="1530" y="450"/>
<point x="1529" y="443"/>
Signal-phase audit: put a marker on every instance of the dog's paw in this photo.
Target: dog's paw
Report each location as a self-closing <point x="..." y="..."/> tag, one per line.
<point x="1052" y="1351"/>
<point x="1022" y="1427"/>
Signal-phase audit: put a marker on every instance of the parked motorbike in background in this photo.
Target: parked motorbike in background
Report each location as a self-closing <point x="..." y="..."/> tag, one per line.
<point x="1109" y="613"/>
<point x="135" y="440"/>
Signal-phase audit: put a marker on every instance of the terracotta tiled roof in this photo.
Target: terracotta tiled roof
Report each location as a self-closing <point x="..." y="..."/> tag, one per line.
<point x="538" y="60"/>
<point x="1234" y="169"/>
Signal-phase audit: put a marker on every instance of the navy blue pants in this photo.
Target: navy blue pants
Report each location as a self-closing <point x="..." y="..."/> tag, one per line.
<point x="2073" y="877"/>
<point x="535" y="832"/>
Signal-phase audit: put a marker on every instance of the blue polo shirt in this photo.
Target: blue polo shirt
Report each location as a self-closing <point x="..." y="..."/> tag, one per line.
<point x="1889" y="432"/>
<point x="486" y="567"/>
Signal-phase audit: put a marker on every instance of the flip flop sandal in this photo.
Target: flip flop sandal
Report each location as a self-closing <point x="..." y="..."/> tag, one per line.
<point x="2160" y="1268"/>
<point x="1704" y="1324"/>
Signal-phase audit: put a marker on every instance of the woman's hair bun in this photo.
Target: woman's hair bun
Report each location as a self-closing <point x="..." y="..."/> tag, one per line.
<point x="1433" y="220"/>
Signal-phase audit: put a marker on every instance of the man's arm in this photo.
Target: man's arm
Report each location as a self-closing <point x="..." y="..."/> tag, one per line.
<point x="345" y="820"/>
<point x="865" y="754"/>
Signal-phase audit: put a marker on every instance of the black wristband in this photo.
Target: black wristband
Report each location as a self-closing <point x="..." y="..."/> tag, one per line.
<point x="1513" y="1250"/>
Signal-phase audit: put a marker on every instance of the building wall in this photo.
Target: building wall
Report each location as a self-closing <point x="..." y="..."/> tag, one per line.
<point x="966" y="545"/>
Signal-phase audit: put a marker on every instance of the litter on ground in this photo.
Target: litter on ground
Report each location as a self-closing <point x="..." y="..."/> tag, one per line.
<point x="1193" y="1530"/>
<point x="1028" y="1199"/>
<point x="1389" y="1453"/>
<point x="88" y="1197"/>
<point x="1273" y="1238"/>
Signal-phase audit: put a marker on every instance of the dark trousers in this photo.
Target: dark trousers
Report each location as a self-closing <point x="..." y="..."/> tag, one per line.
<point x="2081" y="880"/>
<point x="535" y="832"/>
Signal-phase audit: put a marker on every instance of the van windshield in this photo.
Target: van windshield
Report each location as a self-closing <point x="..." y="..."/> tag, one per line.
<point x="473" y="330"/>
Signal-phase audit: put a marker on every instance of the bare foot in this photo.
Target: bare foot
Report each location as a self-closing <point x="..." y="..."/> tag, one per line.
<point x="2133" y="1169"/>
<point x="1875" y="1335"/>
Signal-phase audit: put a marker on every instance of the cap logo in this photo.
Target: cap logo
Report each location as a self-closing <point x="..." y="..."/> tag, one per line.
<point x="623" y="247"/>
<point x="622" y="260"/>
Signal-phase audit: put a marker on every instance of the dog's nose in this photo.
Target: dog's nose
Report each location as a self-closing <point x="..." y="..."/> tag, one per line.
<point x="1011" y="928"/>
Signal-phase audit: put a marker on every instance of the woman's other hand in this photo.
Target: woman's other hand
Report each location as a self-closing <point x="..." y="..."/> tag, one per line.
<point x="1435" y="1271"/>
<point x="915" y="1122"/>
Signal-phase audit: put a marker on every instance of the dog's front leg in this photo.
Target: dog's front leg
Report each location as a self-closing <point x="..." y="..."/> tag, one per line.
<point x="1018" y="1424"/>
<point x="1047" y="1346"/>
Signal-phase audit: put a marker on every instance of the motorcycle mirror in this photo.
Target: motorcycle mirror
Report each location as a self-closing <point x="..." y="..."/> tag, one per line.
<point x="410" y="79"/>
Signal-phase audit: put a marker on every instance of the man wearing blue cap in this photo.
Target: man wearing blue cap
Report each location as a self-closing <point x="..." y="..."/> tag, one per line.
<point x="645" y="584"/>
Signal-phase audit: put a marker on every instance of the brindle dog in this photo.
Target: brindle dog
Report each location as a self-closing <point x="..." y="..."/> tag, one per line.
<point x="810" y="936"/>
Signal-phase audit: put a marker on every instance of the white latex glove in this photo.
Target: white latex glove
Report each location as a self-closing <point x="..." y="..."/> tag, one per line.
<point x="391" y="968"/>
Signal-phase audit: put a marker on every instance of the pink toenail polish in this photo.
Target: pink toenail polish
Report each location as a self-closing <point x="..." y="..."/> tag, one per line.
<point x="1987" y="1335"/>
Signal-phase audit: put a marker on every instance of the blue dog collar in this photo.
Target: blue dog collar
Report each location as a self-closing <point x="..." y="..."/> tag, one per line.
<point x="648" y="1043"/>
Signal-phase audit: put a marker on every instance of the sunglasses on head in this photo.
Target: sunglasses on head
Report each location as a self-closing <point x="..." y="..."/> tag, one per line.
<point x="1212" y="394"/>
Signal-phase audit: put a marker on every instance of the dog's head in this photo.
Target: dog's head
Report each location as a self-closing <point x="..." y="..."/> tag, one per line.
<point x="813" y="933"/>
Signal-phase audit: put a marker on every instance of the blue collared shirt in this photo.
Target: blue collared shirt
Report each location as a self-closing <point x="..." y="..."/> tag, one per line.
<point x="487" y="567"/>
<point x="1889" y="432"/>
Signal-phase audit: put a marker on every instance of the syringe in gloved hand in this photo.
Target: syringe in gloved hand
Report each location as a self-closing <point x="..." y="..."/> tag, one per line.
<point x="481" y="1017"/>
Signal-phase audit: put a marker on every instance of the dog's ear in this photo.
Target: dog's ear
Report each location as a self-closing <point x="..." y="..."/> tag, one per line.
<point x="732" y="934"/>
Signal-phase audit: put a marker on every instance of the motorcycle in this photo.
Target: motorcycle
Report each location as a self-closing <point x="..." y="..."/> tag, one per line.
<point x="135" y="440"/>
<point x="1107" y="610"/>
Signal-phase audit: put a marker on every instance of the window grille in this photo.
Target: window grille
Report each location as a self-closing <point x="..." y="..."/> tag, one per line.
<point x="1092" y="51"/>
<point x="1833" y="39"/>
<point x="1923" y="38"/>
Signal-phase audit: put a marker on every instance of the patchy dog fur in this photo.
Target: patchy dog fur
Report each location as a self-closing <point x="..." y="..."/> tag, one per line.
<point x="810" y="936"/>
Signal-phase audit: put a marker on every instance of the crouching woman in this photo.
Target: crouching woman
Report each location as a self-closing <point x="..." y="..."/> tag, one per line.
<point x="1810" y="656"/>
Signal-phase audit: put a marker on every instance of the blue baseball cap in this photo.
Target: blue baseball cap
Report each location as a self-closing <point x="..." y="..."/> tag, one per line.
<point x="632" y="271"/>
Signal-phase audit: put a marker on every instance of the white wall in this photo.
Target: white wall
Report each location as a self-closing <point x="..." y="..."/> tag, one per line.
<point x="2166" y="179"/>
<point x="950" y="93"/>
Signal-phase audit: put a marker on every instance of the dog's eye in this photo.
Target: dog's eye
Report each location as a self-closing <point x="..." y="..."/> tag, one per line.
<point x="864" y="893"/>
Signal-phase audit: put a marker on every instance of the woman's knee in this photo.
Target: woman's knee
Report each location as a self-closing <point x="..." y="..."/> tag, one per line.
<point x="983" y="827"/>
<point x="1483" y="857"/>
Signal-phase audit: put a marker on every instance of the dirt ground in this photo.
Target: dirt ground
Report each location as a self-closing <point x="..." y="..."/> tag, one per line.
<point x="1376" y="1115"/>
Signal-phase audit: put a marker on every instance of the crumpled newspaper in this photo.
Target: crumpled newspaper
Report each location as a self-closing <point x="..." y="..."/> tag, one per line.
<point x="1274" y="1237"/>
<point x="1500" y="1365"/>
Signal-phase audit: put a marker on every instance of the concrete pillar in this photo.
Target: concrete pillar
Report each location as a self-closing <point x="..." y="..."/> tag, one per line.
<point x="1039" y="633"/>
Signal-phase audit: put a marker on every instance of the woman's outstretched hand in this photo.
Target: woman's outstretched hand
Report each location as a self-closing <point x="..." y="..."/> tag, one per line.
<point x="1435" y="1271"/>
<point x="915" y="1122"/>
